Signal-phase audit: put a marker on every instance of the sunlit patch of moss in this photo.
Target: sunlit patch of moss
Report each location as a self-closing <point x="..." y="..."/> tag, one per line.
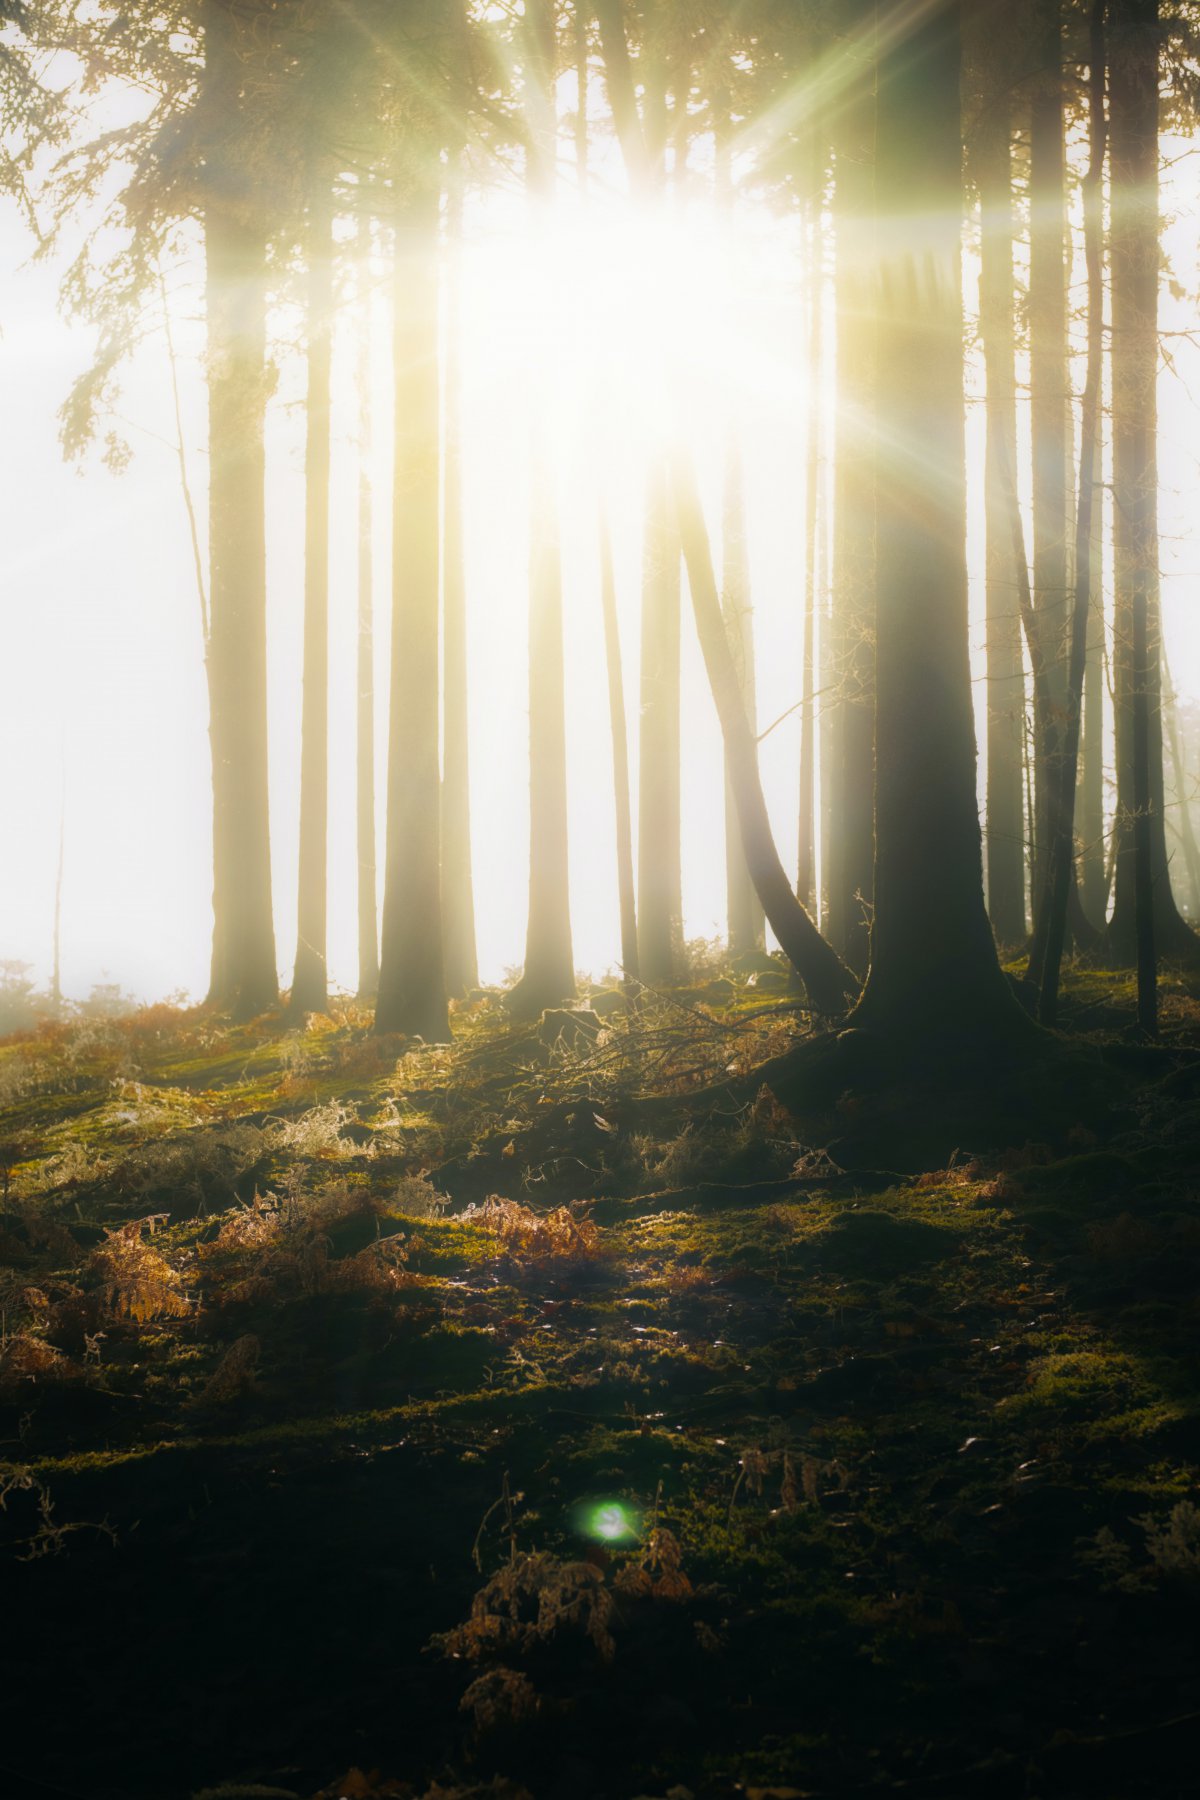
<point x="1088" y="1382"/>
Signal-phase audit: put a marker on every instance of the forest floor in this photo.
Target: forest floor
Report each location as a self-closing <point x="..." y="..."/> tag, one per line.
<point x="463" y="1423"/>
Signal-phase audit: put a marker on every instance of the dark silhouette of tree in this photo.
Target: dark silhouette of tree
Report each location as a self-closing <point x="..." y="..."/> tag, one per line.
<point x="934" y="969"/>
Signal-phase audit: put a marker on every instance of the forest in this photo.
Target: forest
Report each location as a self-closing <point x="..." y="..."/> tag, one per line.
<point x="600" y="984"/>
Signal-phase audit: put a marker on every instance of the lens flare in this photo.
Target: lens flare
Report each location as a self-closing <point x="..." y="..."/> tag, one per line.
<point x="609" y="1521"/>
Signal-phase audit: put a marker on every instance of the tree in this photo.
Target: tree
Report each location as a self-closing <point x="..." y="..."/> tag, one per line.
<point x="310" y="989"/>
<point x="1141" y="866"/>
<point x="235" y="205"/>
<point x="934" y="970"/>
<point x="364" y="762"/>
<point x="992" y="164"/>
<point x="852" y="848"/>
<point x="549" y="973"/>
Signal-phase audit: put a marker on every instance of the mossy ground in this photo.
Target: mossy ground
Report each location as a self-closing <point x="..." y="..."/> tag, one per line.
<point x="305" y="1461"/>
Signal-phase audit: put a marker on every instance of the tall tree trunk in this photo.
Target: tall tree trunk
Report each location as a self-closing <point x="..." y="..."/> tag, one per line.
<point x="1049" y="386"/>
<point x="1005" y="669"/>
<point x="368" y="919"/>
<point x="660" y="877"/>
<point x="1060" y="812"/>
<point x="806" y="862"/>
<point x="310" y="991"/>
<point x="1092" y="883"/>
<point x="933" y="959"/>
<point x="620" y="751"/>
<point x="549" y="974"/>
<point x="244" y="972"/>
<point x="412" y="986"/>
<point x="827" y="980"/>
<point x="744" y="915"/>
<point x="1134" y="240"/>
<point x="458" y="891"/>
<point x="852" y="847"/>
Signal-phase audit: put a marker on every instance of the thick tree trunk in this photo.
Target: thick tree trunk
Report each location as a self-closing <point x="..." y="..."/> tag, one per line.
<point x="310" y="991"/>
<point x="852" y="846"/>
<point x="1134" y="241"/>
<point x="368" y="918"/>
<point x="244" y="972"/>
<point x="458" y="891"/>
<point x="933" y="959"/>
<point x="549" y="974"/>
<point x="828" y="982"/>
<point x="1005" y="669"/>
<point x="412" y="988"/>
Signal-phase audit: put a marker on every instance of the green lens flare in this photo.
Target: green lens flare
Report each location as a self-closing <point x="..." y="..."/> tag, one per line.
<point x="610" y="1522"/>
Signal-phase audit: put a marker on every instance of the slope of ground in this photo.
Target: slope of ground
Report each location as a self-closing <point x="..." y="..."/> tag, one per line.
<point x="461" y="1422"/>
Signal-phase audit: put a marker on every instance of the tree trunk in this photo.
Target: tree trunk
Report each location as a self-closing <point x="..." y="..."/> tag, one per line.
<point x="244" y="972"/>
<point x="744" y="915"/>
<point x="412" y="988"/>
<point x="1049" y="388"/>
<point x="934" y="968"/>
<point x="827" y="980"/>
<point x="458" y="891"/>
<point x="549" y="974"/>
<point x="368" y="920"/>
<point x="1134" y="241"/>
<point x="1093" y="885"/>
<point x="806" y="862"/>
<point x="1186" y="832"/>
<point x="852" y="845"/>
<point x="620" y="751"/>
<point x="1060" y="812"/>
<point x="310" y="991"/>
<point x="1005" y="669"/>
<point x="660" y="879"/>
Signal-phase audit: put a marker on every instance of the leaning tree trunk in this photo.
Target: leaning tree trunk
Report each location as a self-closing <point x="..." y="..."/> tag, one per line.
<point x="1134" y="240"/>
<point x="1005" y="669"/>
<point x="458" y="889"/>
<point x="412" y="987"/>
<point x="828" y="982"/>
<point x="368" y="917"/>
<point x="852" y="844"/>
<point x="934" y="968"/>
<point x="244" y="973"/>
<point x="310" y="989"/>
<point x="549" y="974"/>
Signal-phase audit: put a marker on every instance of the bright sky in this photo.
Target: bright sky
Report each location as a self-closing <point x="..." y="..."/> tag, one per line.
<point x="103" y="691"/>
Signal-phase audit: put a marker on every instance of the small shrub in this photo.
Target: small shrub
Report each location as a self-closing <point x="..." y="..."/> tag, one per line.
<point x="539" y="1236"/>
<point x="133" y="1280"/>
<point x="530" y="1601"/>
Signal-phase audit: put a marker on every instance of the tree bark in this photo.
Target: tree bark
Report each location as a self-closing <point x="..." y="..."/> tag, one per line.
<point x="412" y="988"/>
<point x="244" y="973"/>
<point x="934" y="970"/>
<point x="310" y="991"/>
